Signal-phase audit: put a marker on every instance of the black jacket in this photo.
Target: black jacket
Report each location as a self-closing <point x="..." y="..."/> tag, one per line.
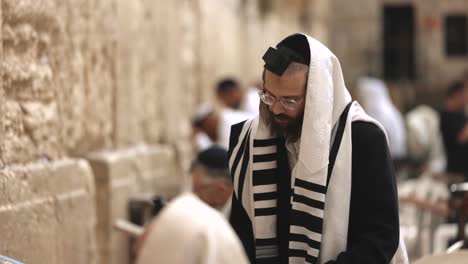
<point x="373" y="234"/>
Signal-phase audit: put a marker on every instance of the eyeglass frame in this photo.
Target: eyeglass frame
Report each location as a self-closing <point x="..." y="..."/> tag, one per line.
<point x="296" y="99"/>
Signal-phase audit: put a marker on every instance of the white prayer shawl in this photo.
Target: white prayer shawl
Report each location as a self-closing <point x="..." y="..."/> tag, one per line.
<point x="229" y="117"/>
<point x="190" y="232"/>
<point x="326" y="98"/>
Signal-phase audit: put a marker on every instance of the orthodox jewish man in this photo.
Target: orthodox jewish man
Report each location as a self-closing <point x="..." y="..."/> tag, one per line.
<point x="312" y="174"/>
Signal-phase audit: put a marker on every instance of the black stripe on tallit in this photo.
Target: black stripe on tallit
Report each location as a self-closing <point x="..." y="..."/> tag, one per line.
<point x="234" y="136"/>
<point x="266" y="241"/>
<point x="266" y="211"/>
<point x="302" y="254"/>
<point x="304" y="239"/>
<point x="272" y="260"/>
<point x="238" y="157"/>
<point x="245" y="163"/>
<point x="310" y="186"/>
<point x="265" y="196"/>
<point x="308" y="221"/>
<point x="265" y="157"/>
<point x="337" y="141"/>
<point x="265" y="142"/>
<point x="264" y="177"/>
<point x="308" y="201"/>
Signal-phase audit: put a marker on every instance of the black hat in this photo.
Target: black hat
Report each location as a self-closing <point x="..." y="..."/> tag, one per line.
<point x="294" y="48"/>
<point x="214" y="157"/>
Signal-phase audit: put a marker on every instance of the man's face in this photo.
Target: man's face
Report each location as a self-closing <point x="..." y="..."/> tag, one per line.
<point x="290" y="85"/>
<point x="200" y="188"/>
<point x="215" y="194"/>
<point x="232" y="98"/>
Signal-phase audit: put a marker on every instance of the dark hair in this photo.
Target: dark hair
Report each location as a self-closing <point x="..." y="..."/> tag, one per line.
<point x="226" y="85"/>
<point x="455" y="88"/>
<point x="214" y="161"/>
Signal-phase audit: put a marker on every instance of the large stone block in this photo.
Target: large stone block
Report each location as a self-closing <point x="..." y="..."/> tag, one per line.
<point x="31" y="120"/>
<point x="68" y="58"/>
<point x="47" y="212"/>
<point x="100" y="75"/>
<point x="140" y="66"/>
<point x="220" y="47"/>
<point x="120" y="175"/>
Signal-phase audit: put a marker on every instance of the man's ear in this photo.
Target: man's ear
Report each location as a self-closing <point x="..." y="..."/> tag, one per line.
<point x="224" y="187"/>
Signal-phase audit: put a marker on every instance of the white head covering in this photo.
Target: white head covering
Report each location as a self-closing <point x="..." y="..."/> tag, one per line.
<point x="424" y="137"/>
<point x="190" y="232"/>
<point x="374" y="97"/>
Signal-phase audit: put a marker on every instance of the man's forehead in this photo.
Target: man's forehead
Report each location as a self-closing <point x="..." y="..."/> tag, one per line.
<point x="293" y="82"/>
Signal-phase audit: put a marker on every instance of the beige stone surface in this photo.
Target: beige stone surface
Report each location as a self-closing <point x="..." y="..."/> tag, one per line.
<point x="138" y="72"/>
<point x="83" y="60"/>
<point x="119" y="175"/>
<point x="115" y="81"/>
<point x="220" y="46"/>
<point x="47" y="212"/>
<point x="30" y="120"/>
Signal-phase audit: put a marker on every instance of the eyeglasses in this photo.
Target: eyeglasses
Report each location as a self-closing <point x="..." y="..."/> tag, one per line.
<point x="289" y="103"/>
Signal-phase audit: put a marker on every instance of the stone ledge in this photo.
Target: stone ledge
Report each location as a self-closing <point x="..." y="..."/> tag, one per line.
<point x="121" y="174"/>
<point x="47" y="212"/>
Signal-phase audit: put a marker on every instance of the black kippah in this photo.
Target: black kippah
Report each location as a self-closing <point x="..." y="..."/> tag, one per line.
<point x="299" y="44"/>
<point x="294" y="48"/>
<point x="214" y="158"/>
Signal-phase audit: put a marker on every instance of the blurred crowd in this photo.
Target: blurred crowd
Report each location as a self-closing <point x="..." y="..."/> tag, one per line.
<point x="429" y="148"/>
<point x="430" y="151"/>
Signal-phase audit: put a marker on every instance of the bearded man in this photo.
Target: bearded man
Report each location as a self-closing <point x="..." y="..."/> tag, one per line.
<point x="313" y="177"/>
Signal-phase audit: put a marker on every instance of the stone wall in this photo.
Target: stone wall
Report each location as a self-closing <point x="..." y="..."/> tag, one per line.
<point x="95" y="103"/>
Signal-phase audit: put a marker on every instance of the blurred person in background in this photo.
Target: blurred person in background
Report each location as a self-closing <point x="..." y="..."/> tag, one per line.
<point x="230" y="96"/>
<point x="374" y="98"/>
<point x="211" y="179"/>
<point x="205" y="127"/>
<point x="251" y="102"/>
<point x="229" y="93"/>
<point x="454" y="128"/>
<point x="188" y="231"/>
<point x="424" y="197"/>
<point x="424" y="138"/>
<point x="212" y="126"/>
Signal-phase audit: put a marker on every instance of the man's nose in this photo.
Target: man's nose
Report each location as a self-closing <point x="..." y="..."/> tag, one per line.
<point x="277" y="108"/>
